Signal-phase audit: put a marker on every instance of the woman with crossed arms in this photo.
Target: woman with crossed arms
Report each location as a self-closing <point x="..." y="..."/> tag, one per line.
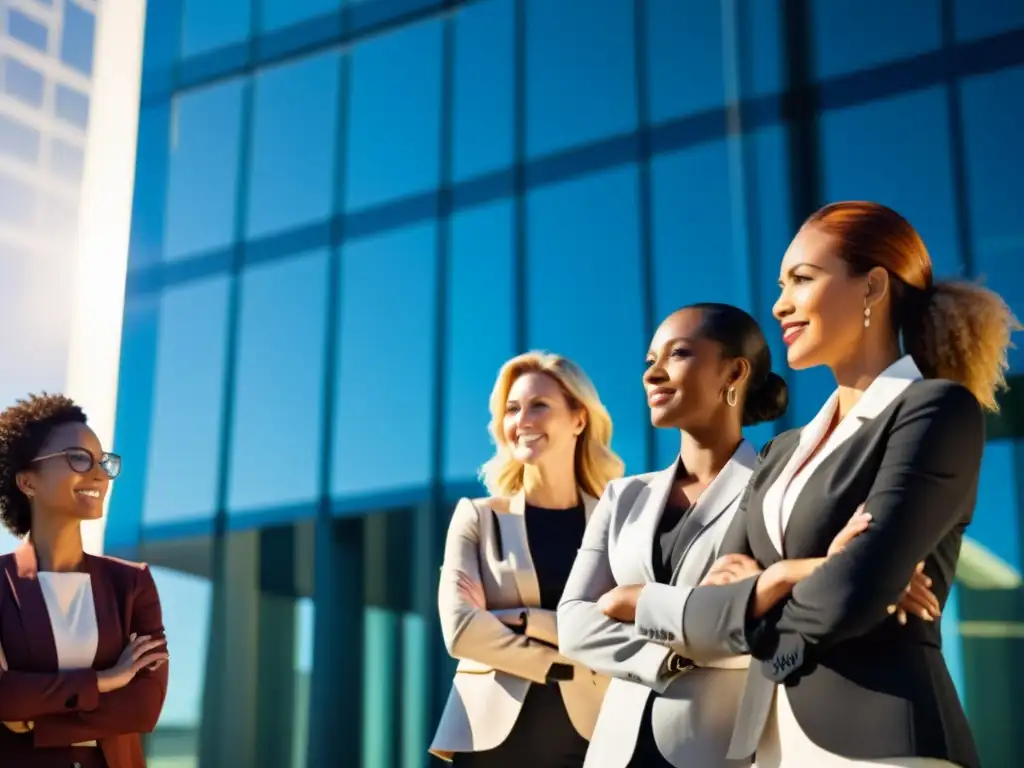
<point x="708" y="375"/>
<point x="516" y="701"/>
<point x="836" y="681"/>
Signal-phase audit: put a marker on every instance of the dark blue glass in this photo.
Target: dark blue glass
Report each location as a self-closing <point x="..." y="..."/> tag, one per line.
<point x="584" y="259"/>
<point x="580" y="72"/>
<point x="67" y="160"/>
<point x="71" y="106"/>
<point x="77" y="38"/>
<point x="484" y="89"/>
<point x="211" y="25"/>
<point x="23" y="82"/>
<point x="975" y="20"/>
<point x="394" y="120"/>
<point x="19" y="141"/>
<point x="278" y="14"/>
<point x="202" y="185"/>
<point x="27" y="29"/>
<point x="276" y="443"/>
<point x="481" y="317"/>
<point x="295" y="131"/>
<point x="185" y="433"/>
<point x="384" y="397"/>
<point x="851" y="36"/>
<point x="994" y="160"/>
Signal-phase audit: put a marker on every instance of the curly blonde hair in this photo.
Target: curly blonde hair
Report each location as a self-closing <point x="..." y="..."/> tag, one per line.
<point x="953" y="329"/>
<point x="595" y="464"/>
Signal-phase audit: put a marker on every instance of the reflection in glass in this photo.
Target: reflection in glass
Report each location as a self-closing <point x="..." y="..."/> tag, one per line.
<point x="394" y="124"/>
<point x="277" y="14"/>
<point x="28" y="30"/>
<point x="203" y="170"/>
<point x="77" y="37"/>
<point x="384" y="423"/>
<point x="71" y="106"/>
<point x="17" y="201"/>
<point x="294" y="136"/>
<point x="974" y="19"/>
<point x="21" y="81"/>
<point x="187" y="409"/>
<point x="210" y="25"/>
<point x="276" y="442"/>
<point x="484" y="87"/>
<point x="19" y="141"/>
<point x="580" y="72"/>
<point x="480" y="324"/>
<point x="584" y="237"/>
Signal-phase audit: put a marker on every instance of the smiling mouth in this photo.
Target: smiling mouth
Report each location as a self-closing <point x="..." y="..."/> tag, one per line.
<point x="660" y="397"/>
<point x="791" y="332"/>
<point x="90" y="494"/>
<point x="528" y="439"/>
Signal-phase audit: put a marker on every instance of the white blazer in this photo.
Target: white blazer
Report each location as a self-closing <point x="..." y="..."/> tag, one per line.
<point x="693" y="716"/>
<point x="496" y="665"/>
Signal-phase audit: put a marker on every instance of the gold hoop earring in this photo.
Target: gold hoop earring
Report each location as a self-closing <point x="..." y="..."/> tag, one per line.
<point x="730" y="397"/>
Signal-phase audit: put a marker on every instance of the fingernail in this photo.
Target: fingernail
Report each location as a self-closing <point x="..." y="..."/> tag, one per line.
<point x="926" y="616"/>
<point x="902" y="618"/>
<point x="891" y="609"/>
<point x="927" y="582"/>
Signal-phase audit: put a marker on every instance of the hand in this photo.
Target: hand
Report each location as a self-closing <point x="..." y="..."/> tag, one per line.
<point x="142" y="652"/>
<point x="730" y="568"/>
<point x="620" y="603"/>
<point x="854" y="527"/>
<point x="20" y="726"/>
<point x="472" y="591"/>
<point x="918" y="599"/>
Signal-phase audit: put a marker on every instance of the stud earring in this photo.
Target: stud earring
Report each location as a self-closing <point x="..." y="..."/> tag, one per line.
<point x="867" y="315"/>
<point x="730" y="397"/>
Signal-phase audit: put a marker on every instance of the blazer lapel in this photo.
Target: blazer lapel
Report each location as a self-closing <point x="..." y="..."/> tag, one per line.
<point x="717" y="497"/>
<point x="517" y="547"/>
<point x="589" y="502"/>
<point x="111" y="641"/>
<point x="39" y="645"/>
<point x="658" y="491"/>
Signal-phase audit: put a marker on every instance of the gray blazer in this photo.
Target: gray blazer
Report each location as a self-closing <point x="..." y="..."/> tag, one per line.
<point x="497" y="665"/>
<point x="693" y="715"/>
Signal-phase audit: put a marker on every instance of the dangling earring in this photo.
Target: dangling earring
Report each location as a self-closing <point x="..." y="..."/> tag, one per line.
<point x="730" y="397"/>
<point x="867" y="314"/>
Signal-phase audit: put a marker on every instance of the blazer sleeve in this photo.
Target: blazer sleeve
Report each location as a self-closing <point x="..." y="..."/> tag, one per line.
<point x="472" y="633"/>
<point x="537" y="623"/>
<point x="28" y="696"/>
<point x="585" y="633"/>
<point x="924" y="489"/>
<point x="136" y="707"/>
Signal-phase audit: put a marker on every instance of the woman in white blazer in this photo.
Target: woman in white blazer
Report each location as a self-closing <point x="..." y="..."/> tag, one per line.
<point x="515" y="699"/>
<point x="708" y="375"/>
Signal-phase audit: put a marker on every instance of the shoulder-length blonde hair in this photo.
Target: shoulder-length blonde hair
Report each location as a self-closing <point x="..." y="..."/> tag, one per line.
<point x="596" y="463"/>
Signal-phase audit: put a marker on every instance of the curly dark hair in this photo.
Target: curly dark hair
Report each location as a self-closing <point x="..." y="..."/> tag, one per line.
<point x="24" y="428"/>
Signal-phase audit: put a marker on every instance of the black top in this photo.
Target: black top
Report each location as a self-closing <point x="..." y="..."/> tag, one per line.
<point x="555" y="536"/>
<point x="860" y="684"/>
<point x="668" y="547"/>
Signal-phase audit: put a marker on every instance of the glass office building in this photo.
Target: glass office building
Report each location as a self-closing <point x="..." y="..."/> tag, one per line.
<point x="348" y="214"/>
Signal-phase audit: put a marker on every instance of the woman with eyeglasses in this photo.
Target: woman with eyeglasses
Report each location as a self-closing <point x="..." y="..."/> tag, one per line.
<point x="83" y="658"/>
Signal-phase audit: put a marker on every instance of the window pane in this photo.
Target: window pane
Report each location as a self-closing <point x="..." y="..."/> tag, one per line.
<point x="203" y="169"/>
<point x="278" y="398"/>
<point x="23" y="82"/>
<point x="27" y="30"/>
<point x="761" y="54"/>
<point x="181" y="480"/>
<point x="852" y="36"/>
<point x="72" y="106"/>
<point x="484" y="87"/>
<point x="294" y="132"/>
<point x="19" y="141"/>
<point x="994" y="160"/>
<point x="698" y="254"/>
<point x="481" y="313"/>
<point x="583" y="238"/>
<point x="684" y="57"/>
<point x="17" y="202"/>
<point x="77" y="40"/>
<point x="996" y="524"/>
<point x="209" y="25"/>
<point x="67" y="160"/>
<point x="385" y="392"/>
<point x="276" y="14"/>
<point x="394" y="130"/>
<point x="580" y="73"/>
<point x="974" y="19"/>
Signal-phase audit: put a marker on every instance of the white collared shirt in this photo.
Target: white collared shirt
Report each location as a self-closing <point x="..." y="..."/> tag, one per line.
<point x="781" y="497"/>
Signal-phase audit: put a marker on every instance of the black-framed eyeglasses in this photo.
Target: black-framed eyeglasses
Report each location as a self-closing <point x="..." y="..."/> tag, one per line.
<point x="81" y="461"/>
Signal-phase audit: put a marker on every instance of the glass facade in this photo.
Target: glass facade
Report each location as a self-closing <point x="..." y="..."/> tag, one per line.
<point x="349" y="213"/>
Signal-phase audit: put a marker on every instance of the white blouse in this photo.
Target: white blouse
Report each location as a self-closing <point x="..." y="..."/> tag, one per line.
<point x="783" y="742"/>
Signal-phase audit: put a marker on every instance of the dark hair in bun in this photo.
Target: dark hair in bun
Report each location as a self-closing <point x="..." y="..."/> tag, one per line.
<point x="741" y="336"/>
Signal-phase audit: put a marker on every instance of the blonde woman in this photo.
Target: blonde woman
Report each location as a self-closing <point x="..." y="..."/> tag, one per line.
<point x="515" y="700"/>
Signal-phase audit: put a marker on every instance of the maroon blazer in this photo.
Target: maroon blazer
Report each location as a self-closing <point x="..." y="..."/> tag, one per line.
<point x="66" y="707"/>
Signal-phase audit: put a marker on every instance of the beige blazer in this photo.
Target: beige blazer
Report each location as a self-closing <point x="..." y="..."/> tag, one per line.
<point x="496" y="665"/>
